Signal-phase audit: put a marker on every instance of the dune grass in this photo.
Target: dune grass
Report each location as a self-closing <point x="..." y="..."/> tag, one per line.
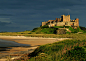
<point x="67" y="50"/>
<point x="59" y="51"/>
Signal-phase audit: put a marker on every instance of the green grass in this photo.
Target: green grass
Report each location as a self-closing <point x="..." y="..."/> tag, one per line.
<point x="58" y="26"/>
<point x="42" y="30"/>
<point x="75" y="30"/>
<point x="57" y="50"/>
<point x="67" y="50"/>
<point x="46" y="30"/>
<point x="60" y="51"/>
<point x="78" y="53"/>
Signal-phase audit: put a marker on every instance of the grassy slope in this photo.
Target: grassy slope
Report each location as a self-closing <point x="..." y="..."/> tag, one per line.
<point x="78" y="53"/>
<point x="58" y="51"/>
<point x="40" y="31"/>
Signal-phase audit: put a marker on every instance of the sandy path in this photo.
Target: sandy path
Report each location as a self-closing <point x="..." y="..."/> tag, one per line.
<point x="33" y="41"/>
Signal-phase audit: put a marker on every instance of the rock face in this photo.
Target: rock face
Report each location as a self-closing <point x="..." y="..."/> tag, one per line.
<point x="61" y="31"/>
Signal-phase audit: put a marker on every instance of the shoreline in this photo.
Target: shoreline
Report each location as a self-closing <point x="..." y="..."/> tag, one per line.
<point x="34" y="42"/>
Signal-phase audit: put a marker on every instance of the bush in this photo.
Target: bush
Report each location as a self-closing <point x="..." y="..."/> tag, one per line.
<point x="58" y="27"/>
<point x="84" y="31"/>
<point x="34" y="29"/>
<point x="45" y="26"/>
<point x="73" y="30"/>
<point x="79" y="30"/>
<point x="67" y="32"/>
<point x="48" y="30"/>
<point x="82" y="28"/>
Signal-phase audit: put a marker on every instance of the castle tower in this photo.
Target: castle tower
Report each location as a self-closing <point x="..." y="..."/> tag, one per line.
<point x="77" y="22"/>
<point x="65" y="18"/>
<point x="43" y="23"/>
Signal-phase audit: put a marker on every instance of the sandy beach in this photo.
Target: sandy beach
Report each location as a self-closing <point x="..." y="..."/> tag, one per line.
<point x="33" y="41"/>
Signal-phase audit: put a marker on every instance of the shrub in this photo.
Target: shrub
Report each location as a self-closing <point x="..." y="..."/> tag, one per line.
<point x="58" y="26"/>
<point x="45" y="26"/>
<point x="79" y="30"/>
<point x="67" y="32"/>
<point x="82" y="28"/>
<point x="73" y="30"/>
<point x="84" y="31"/>
<point x="48" y="30"/>
<point x="34" y="29"/>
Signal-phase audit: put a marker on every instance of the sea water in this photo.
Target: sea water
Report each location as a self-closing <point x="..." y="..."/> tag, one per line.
<point x="5" y="43"/>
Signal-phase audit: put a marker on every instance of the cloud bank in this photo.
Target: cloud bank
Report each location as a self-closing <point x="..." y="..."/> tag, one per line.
<point x="28" y="14"/>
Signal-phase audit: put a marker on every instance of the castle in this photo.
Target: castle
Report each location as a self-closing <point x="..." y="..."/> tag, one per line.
<point x="63" y="21"/>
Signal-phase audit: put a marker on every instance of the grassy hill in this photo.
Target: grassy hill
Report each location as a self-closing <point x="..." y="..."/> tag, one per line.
<point x="67" y="50"/>
<point x="46" y="30"/>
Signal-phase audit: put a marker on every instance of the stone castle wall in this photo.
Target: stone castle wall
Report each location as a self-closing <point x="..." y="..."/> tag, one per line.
<point x="43" y="23"/>
<point x="65" y="18"/>
<point x="63" y="21"/>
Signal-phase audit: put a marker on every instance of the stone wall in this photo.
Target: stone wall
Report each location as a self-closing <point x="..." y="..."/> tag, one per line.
<point x="77" y="22"/>
<point x="67" y="24"/>
<point x="61" y="31"/>
<point x="60" y="24"/>
<point x="65" y="18"/>
<point x="43" y="23"/>
<point x="63" y="21"/>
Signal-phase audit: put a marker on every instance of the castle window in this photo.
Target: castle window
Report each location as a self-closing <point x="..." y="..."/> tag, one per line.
<point x="52" y="22"/>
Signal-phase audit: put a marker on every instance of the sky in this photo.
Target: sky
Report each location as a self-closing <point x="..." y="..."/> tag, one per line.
<point x="21" y="15"/>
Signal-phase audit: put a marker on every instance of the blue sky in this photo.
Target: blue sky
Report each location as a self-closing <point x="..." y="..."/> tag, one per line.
<point x="21" y="15"/>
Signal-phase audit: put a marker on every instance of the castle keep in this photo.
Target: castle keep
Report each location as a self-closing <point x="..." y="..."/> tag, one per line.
<point x="63" y="21"/>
